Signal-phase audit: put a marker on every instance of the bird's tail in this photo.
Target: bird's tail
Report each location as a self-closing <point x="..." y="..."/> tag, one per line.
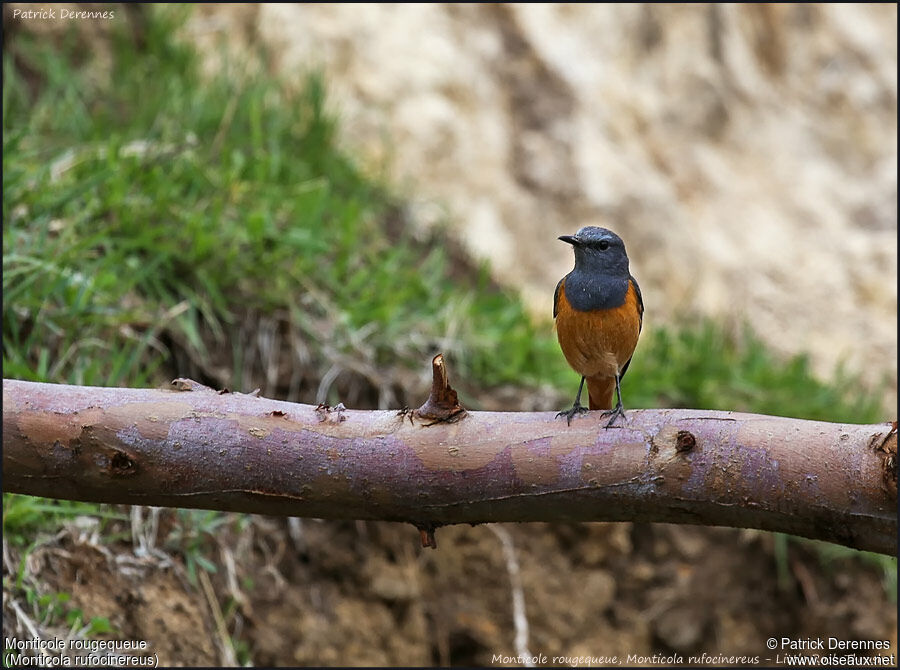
<point x="600" y="392"/>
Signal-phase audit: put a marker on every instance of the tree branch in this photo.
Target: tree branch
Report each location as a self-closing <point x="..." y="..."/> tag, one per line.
<point x="195" y="447"/>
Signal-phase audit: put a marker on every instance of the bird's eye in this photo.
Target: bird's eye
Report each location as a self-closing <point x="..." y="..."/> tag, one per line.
<point x="603" y="245"/>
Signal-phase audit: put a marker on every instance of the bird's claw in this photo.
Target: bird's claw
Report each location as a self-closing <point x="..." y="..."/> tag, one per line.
<point x="616" y="412"/>
<point x="574" y="411"/>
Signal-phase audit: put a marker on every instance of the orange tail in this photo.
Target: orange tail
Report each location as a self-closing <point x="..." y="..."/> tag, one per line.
<point x="600" y="392"/>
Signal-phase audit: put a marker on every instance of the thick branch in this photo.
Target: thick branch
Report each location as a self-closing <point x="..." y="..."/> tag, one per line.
<point x="194" y="447"/>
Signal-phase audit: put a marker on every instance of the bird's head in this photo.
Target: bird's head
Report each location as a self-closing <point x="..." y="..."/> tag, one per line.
<point x="598" y="251"/>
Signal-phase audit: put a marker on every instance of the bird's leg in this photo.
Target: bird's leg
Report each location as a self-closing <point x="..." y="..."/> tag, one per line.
<point x="618" y="410"/>
<point x="577" y="408"/>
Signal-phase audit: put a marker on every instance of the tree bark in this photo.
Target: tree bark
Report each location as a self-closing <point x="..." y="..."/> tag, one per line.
<point x="195" y="447"/>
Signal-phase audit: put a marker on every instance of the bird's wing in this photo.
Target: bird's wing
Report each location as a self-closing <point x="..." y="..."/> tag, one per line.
<point x="640" y="299"/>
<point x="556" y="296"/>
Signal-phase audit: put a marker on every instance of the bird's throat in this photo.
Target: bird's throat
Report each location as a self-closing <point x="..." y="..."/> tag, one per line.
<point x="587" y="291"/>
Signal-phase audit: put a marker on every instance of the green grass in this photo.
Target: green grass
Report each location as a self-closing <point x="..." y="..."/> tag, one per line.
<point x="135" y="228"/>
<point x="208" y="201"/>
<point x="706" y="367"/>
<point x="23" y="516"/>
<point x="151" y="213"/>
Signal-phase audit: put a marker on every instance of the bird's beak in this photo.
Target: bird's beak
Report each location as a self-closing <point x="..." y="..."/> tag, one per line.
<point x="570" y="239"/>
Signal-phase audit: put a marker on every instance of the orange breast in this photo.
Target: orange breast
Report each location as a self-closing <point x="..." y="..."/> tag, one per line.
<point x="599" y="342"/>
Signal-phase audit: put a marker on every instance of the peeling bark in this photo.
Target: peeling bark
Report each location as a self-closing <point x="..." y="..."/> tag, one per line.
<point x="194" y="447"/>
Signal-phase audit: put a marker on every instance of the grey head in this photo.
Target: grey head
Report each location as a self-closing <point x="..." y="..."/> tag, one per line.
<point x="598" y="252"/>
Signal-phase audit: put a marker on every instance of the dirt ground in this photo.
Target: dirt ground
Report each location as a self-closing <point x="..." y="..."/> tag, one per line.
<point x="307" y="592"/>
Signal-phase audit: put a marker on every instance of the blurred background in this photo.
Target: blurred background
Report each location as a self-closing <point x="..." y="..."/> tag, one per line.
<point x="314" y="199"/>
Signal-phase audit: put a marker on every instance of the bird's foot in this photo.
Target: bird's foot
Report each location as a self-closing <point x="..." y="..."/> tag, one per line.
<point x="572" y="412"/>
<point x="616" y="412"/>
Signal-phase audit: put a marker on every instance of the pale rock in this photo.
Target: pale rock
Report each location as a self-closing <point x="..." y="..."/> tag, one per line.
<point x="746" y="153"/>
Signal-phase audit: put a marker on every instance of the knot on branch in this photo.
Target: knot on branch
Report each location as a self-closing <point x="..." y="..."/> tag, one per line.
<point x="185" y="384"/>
<point x="426" y="530"/>
<point x="442" y="405"/>
<point x="888" y="446"/>
<point x="325" y="412"/>
<point x="120" y="464"/>
<point x="685" y="441"/>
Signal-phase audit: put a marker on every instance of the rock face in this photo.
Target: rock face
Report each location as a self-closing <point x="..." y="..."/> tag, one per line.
<point x="746" y="153"/>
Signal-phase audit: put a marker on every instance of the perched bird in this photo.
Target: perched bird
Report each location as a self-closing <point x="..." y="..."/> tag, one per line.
<point x="599" y="313"/>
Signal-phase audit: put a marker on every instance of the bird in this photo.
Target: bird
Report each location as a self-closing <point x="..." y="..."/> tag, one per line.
<point x="599" y="313"/>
